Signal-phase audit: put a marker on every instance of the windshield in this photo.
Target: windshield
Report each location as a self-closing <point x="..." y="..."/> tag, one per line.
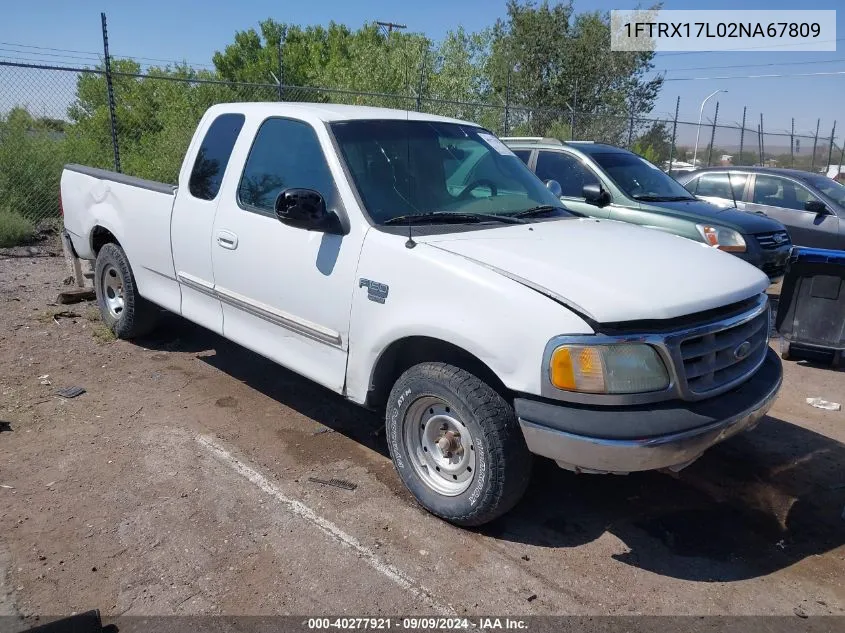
<point x="403" y="168"/>
<point x="640" y="179"/>
<point x="829" y="187"/>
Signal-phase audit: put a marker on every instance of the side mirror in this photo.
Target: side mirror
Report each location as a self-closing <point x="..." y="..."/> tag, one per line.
<point x="816" y="206"/>
<point x="554" y="187"/>
<point x="594" y="194"/>
<point x="306" y="209"/>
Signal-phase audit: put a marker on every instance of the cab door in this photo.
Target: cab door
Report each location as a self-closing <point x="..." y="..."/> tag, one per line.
<point x="192" y="220"/>
<point x="286" y="291"/>
<point x="784" y="200"/>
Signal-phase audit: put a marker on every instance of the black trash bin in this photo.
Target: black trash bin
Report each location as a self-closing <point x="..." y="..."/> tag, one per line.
<point x="811" y="310"/>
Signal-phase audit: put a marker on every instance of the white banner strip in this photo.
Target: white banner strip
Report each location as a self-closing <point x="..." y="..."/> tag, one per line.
<point x="708" y="30"/>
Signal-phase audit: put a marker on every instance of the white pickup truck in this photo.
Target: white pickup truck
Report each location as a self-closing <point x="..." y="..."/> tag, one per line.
<point x="414" y="265"/>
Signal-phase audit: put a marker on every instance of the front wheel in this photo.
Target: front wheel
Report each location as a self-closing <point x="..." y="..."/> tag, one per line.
<point x="456" y="444"/>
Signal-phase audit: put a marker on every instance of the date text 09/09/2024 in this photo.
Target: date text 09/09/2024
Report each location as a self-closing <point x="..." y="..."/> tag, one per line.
<point x="417" y="623"/>
<point x="722" y="29"/>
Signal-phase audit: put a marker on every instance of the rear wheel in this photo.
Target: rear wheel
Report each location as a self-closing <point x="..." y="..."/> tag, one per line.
<point x="456" y="444"/>
<point x="122" y="309"/>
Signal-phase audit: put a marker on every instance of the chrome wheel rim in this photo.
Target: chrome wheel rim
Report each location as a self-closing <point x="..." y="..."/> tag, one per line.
<point x="440" y="446"/>
<point x="112" y="291"/>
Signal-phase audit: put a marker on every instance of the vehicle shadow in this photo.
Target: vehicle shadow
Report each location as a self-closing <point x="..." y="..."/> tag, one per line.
<point x="325" y="407"/>
<point x="759" y="502"/>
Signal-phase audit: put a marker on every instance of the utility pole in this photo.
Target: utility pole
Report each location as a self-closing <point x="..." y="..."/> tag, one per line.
<point x="389" y="26"/>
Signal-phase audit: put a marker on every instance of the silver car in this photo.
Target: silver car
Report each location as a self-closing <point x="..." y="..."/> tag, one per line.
<point x="810" y="206"/>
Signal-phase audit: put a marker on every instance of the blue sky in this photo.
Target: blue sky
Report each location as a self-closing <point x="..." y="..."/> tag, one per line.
<point x="192" y="30"/>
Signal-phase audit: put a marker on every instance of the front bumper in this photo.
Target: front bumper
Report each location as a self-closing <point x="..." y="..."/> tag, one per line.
<point x="771" y="261"/>
<point x="630" y="439"/>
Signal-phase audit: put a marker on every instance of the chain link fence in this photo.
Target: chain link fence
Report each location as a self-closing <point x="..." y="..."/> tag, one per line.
<point x="51" y="116"/>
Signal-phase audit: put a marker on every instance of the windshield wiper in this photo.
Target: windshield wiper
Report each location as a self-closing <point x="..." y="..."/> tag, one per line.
<point x="662" y="198"/>
<point x="444" y="217"/>
<point x="539" y="210"/>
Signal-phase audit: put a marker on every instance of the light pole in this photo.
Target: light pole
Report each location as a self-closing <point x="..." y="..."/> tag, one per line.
<point x="698" y="131"/>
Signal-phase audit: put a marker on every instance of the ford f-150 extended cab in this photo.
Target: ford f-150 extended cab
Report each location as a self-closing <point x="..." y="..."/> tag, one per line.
<point x="413" y="264"/>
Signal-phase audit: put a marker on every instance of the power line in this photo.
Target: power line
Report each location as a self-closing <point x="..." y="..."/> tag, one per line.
<point x="47" y="48"/>
<point x="825" y="61"/>
<point x="11" y="50"/>
<point x="97" y="56"/>
<point x="818" y="74"/>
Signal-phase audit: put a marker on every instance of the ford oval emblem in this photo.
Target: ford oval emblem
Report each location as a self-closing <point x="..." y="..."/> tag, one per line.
<point x="742" y="350"/>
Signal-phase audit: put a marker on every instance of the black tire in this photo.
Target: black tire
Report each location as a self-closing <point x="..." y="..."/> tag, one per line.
<point x="503" y="462"/>
<point x="137" y="316"/>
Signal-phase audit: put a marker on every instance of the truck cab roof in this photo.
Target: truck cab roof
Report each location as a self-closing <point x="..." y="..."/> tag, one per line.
<point x="328" y="112"/>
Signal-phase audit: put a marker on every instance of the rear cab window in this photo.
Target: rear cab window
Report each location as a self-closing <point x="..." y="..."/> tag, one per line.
<point x="213" y="156"/>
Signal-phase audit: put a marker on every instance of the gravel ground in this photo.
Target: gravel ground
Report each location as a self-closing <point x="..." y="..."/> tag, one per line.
<point x="179" y="484"/>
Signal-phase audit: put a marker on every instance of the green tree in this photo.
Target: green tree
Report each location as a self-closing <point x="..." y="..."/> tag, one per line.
<point x="654" y="144"/>
<point x="554" y="58"/>
<point x="30" y="166"/>
<point x="156" y="117"/>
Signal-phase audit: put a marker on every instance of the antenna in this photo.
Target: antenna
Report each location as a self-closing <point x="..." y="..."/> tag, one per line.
<point x="410" y="243"/>
<point x="731" y="186"/>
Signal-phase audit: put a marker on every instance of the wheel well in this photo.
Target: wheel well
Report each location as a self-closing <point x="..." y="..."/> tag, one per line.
<point x="101" y="236"/>
<point x="407" y="352"/>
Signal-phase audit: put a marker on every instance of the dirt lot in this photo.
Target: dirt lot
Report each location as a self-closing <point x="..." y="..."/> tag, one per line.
<point x="179" y="484"/>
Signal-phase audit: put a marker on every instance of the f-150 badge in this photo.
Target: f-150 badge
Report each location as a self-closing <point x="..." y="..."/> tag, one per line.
<point x="375" y="291"/>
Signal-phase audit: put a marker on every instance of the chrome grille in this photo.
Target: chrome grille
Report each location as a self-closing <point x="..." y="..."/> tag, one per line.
<point x="771" y="241"/>
<point x="721" y="357"/>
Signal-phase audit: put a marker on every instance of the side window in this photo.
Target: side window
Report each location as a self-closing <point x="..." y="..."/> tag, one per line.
<point x="567" y="170"/>
<point x="213" y="156"/>
<point x="713" y="185"/>
<point x="802" y="195"/>
<point x="522" y="154"/>
<point x="285" y="153"/>
<point x="780" y="192"/>
<point x="718" y="185"/>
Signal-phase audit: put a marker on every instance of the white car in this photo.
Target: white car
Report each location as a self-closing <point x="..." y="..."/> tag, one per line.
<point x="413" y="264"/>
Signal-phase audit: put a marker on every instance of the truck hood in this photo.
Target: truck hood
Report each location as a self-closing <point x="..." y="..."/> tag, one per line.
<point x="703" y="212"/>
<point x="610" y="271"/>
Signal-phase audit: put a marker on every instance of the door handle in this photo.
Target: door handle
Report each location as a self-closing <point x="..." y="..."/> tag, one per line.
<point x="227" y="239"/>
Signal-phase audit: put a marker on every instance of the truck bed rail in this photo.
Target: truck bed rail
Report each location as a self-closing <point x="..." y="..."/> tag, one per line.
<point x="133" y="181"/>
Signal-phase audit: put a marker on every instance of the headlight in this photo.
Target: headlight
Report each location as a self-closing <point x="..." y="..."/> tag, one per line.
<point x="722" y="238"/>
<point x="617" y="368"/>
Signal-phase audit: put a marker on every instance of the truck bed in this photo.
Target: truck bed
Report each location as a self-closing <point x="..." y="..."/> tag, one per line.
<point x="139" y="211"/>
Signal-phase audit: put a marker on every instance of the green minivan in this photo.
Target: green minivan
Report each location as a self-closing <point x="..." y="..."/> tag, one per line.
<point x="604" y="181"/>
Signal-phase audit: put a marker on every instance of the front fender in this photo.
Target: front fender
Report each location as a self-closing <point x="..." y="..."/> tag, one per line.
<point x="436" y="294"/>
